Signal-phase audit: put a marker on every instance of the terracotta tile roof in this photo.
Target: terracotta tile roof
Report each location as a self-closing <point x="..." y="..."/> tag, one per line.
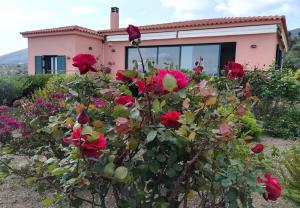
<point x="203" y="23"/>
<point x="62" y="29"/>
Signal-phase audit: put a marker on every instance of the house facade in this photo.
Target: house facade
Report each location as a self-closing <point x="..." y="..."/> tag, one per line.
<point x="255" y="42"/>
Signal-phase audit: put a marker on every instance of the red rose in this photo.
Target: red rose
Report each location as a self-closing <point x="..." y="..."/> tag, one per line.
<point x="142" y="88"/>
<point x="170" y="119"/>
<point x="83" y="117"/>
<point x="234" y="70"/>
<point x="84" y="63"/>
<point x="126" y="100"/>
<point x="257" y="148"/>
<point x="273" y="187"/>
<point x="133" y="32"/>
<point x="198" y="70"/>
<point x="89" y="149"/>
<point x="181" y="79"/>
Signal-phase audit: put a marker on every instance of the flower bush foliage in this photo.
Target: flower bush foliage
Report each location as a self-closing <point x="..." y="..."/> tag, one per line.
<point x="150" y="139"/>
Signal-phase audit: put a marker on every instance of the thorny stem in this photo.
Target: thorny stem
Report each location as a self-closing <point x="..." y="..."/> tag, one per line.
<point x="147" y="93"/>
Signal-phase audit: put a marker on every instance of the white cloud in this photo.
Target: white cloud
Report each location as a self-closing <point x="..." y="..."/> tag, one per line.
<point x="17" y="18"/>
<point x="254" y="7"/>
<point x="81" y="9"/>
<point x="186" y="9"/>
<point x="126" y="21"/>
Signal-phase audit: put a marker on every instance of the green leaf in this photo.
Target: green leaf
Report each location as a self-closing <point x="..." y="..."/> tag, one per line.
<point x="47" y="202"/>
<point x="156" y="106"/>
<point x="94" y="136"/>
<point x="226" y="183"/>
<point x="161" y="158"/>
<point x="130" y="73"/>
<point x="120" y="111"/>
<point x="135" y="114"/>
<point x="151" y="136"/>
<point x="169" y="82"/>
<point x="171" y="172"/>
<point x="109" y="169"/>
<point x="30" y="180"/>
<point x="74" y="93"/>
<point x="121" y="173"/>
<point x="34" y="122"/>
<point x="6" y="150"/>
<point x="87" y="130"/>
<point x="58" y="171"/>
<point x="53" y="119"/>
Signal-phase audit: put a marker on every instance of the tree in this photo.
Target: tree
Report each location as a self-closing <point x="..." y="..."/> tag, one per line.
<point x="292" y="57"/>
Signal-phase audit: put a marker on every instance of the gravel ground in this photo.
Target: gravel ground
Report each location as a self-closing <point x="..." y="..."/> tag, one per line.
<point x="15" y="193"/>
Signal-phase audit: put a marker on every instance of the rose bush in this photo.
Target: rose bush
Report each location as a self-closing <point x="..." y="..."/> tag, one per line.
<point x="150" y="139"/>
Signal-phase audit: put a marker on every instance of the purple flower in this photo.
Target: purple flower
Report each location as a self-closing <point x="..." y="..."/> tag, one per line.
<point x="98" y="102"/>
<point x="39" y="100"/>
<point x="3" y="108"/>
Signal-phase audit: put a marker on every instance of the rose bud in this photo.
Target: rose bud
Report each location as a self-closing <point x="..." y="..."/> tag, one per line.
<point x="83" y="117"/>
<point x="107" y="70"/>
<point x="133" y="32"/>
<point x="257" y="148"/>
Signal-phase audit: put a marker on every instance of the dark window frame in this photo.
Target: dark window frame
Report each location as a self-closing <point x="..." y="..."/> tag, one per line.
<point x="180" y="50"/>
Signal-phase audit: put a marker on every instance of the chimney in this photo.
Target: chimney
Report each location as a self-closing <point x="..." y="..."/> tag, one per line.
<point x="114" y="18"/>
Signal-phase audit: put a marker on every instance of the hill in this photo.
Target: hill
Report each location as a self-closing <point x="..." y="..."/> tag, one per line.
<point x="17" y="57"/>
<point x="295" y="32"/>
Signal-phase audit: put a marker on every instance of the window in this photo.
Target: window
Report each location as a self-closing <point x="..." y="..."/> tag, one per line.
<point x="50" y="64"/>
<point x="211" y="56"/>
<point x="133" y="60"/>
<point x="168" y="57"/>
<point x="208" y="55"/>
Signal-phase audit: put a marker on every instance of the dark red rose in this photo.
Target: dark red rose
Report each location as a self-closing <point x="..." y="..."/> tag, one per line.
<point x="126" y="100"/>
<point x="171" y="119"/>
<point x="133" y="32"/>
<point x="88" y="148"/>
<point x="273" y="187"/>
<point x="257" y="148"/>
<point x="83" y="117"/>
<point x="234" y="70"/>
<point x="84" y="62"/>
<point x="198" y="70"/>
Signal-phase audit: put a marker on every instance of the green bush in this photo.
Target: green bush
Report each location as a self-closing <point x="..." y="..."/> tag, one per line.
<point x="291" y="164"/>
<point x="278" y="93"/>
<point x="11" y="89"/>
<point x="286" y="124"/>
<point x="15" y="87"/>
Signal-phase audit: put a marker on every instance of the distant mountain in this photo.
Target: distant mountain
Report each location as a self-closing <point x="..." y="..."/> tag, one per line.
<point x="17" y="57"/>
<point x="295" y="32"/>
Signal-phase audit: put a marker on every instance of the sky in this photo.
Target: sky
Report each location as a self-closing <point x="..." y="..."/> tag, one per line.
<point x="24" y="15"/>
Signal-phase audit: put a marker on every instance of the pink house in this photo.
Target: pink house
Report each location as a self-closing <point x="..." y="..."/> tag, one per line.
<point x="252" y="41"/>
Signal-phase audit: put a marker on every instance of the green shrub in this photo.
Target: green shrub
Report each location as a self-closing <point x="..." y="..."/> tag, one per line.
<point x="15" y="87"/>
<point x="251" y="127"/>
<point x="35" y="82"/>
<point x="279" y="96"/>
<point x="291" y="164"/>
<point x="286" y="124"/>
<point x="11" y="89"/>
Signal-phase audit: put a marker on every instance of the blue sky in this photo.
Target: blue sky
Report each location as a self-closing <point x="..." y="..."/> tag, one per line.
<point x="23" y="15"/>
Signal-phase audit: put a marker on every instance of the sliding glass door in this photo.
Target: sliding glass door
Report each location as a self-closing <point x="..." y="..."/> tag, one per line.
<point x="212" y="56"/>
